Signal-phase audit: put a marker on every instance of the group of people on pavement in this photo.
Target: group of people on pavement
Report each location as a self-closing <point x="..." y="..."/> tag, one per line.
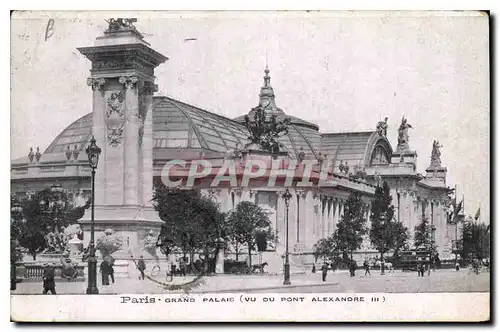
<point x="352" y="265"/>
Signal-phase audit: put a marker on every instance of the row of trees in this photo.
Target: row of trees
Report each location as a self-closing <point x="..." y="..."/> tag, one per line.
<point x="193" y="223"/>
<point x="385" y="233"/>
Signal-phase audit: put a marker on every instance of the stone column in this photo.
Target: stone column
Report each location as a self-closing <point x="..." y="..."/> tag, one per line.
<point x="280" y="216"/>
<point x="302" y="216"/>
<point x="99" y="131"/>
<point x="341" y="209"/>
<point x="146" y="143"/>
<point x="131" y="159"/>
<point x="323" y="211"/>
<point x="292" y="219"/>
<point x="309" y="220"/>
<point x="335" y="213"/>
<point x="329" y="223"/>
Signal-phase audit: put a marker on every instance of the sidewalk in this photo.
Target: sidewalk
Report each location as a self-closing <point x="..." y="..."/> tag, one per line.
<point x="209" y="284"/>
<point x="242" y="283"/>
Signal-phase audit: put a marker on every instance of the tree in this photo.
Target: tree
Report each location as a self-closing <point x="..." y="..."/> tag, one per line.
<point x="38" y="220"/>
<point x="381" y="215"/>
<point x="475" y="240"/>
<point x="192" y="222"/>
<point x="400" y="236"/>
<point x="325" y="249"/>
<point x="348" y="236"/>
<point x="245" y="222"/>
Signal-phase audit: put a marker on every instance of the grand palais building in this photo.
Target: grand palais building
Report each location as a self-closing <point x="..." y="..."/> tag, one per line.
<point x="170" y="129"/>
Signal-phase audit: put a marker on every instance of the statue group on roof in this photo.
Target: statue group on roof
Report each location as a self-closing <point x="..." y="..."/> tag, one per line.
<point x="436" y="154"/>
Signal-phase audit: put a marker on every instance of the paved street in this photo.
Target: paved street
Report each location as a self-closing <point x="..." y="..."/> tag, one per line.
<point x="439" y="281"/>
<point x="340" y="282"/>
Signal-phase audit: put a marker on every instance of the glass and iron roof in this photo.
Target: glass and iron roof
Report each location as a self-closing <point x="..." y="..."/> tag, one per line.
<point x="181" y="130"/>
<point x="177" y="125"/>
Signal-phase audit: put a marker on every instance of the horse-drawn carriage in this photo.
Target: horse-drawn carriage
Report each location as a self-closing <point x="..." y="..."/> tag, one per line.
<point x="241" y="267"/>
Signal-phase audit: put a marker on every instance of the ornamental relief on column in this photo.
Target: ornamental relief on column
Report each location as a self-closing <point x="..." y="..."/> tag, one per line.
<point x="115" y="117"/>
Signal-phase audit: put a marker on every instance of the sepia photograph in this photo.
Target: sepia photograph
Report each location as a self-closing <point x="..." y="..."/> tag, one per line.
<point x="280" y="164"/>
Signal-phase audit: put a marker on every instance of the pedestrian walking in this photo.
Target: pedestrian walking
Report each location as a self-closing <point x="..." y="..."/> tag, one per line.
<point x="367" y="268"/>
<point x="324" y="271"/>
<point x="49" y="283"/>
<point x="314" y="268"/>
<point x="457" y="266"/>
<point x="141" y="266"/>
<point x="352" y="268"/>
<point x="420" y="269"/>
<point x="111" y="273"/>
<point x="104" y="269"/>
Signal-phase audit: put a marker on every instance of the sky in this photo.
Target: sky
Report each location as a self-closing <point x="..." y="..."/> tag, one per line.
<point x="344" y="71"/>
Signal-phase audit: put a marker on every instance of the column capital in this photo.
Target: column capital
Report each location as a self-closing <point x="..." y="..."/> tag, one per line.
<point x="97" y="83"/>
<point x="130" y="82"/>
<point x="236" y="190"/>
<point x="301" y="192"/>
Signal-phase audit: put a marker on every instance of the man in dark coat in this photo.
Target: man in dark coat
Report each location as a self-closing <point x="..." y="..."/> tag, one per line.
<point x="141" y="266"/>
<point x="367" y="268"/>
<point x="324" y="271"/>
<point x="49" y="283"/>
<point x="111" y="270"/>
<point x="104" y="268"/>
<point x="352" y="267"/>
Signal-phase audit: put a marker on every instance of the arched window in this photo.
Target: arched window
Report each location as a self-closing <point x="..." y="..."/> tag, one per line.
<point x="379" y="156"/>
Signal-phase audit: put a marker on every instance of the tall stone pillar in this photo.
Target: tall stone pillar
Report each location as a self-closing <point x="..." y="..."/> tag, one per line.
<point x="301" y="215"/>
<point x="336" y="213"/>
<point x="324" y="211"/>
<point x="309" y="220"/>
<point x="131" y="140"/>
<point x="280" y="216"/>
<point x="292" y="219"/>
<point x="98" y="130"/>
<point x="122" y="80"/>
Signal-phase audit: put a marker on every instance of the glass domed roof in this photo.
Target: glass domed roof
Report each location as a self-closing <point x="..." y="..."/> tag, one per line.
<point x="177" y="125"/>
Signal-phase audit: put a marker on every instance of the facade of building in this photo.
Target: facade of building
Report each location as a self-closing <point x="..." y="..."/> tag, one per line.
<point x="140" y="133"/>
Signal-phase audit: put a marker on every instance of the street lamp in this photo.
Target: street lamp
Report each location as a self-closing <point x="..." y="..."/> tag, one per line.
<point x="93" y="152"/>
<point x="287" y="196"/>
<point x="16" y="210"/>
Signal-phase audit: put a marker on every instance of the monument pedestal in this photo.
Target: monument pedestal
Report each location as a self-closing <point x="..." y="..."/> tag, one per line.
<point x="122" y="82"/>
<point x="130" y="223"/>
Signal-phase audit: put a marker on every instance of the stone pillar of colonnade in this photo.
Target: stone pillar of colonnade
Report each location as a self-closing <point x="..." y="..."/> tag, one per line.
<point x="412" y="215"/>
<point x="316" y="217"/>
<point x="328" y="214"/>
<point x="324" y="214"/>
<point x="341" y="209"/>
<point x="280" y="216"/>
<point x="336" y="211"/>
<point x="292" y="220"/>
<point x="307" y="222"/>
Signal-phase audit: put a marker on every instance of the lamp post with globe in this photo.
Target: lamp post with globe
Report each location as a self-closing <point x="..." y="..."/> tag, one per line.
<point x="93" y="152"/>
